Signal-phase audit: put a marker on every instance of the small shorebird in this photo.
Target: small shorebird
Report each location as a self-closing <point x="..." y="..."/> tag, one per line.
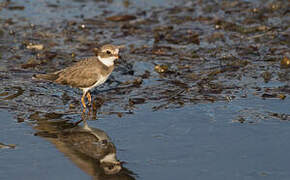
<point x="87" y="73"/>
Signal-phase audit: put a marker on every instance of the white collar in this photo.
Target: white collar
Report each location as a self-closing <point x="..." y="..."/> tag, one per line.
<point x="107" y="61"/>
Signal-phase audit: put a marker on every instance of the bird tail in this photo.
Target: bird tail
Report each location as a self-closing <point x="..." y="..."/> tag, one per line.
<point x="49" y="77"/>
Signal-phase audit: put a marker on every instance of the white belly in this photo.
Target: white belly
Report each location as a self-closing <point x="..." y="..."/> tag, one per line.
<point x="99" y="82"/>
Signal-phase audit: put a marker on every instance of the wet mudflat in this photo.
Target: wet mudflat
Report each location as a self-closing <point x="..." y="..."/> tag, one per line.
<point x="202" y="90"/>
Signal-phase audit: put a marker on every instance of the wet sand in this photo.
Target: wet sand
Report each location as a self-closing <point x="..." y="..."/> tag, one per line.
<point x="202" y="90"/>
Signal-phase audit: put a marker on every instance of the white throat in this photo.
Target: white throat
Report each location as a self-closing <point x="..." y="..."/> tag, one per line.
<point x="107" y="61"/>
<point x="109" y="158"/>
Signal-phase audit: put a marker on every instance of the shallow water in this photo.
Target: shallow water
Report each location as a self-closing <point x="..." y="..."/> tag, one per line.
<point x="202" y="90"/>
<point x="196" y="141"/>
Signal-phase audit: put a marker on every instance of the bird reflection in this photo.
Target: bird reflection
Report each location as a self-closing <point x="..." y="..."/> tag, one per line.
<point x="89" y="148"/>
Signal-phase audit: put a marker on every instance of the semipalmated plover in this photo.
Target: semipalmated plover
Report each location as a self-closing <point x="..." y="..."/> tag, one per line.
<point x="87" y="73"/>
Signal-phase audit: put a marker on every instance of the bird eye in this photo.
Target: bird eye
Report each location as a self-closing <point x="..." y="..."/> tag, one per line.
<point x="108" y="52"/>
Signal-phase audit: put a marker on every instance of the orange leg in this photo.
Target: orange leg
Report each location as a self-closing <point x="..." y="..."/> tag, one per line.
<point x="83" y="101"/>
<point x="89" y="98"/>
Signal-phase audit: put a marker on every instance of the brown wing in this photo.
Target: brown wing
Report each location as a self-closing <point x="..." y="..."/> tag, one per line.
<point x="49" y="77"/>
<point x="82" y="74"/>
